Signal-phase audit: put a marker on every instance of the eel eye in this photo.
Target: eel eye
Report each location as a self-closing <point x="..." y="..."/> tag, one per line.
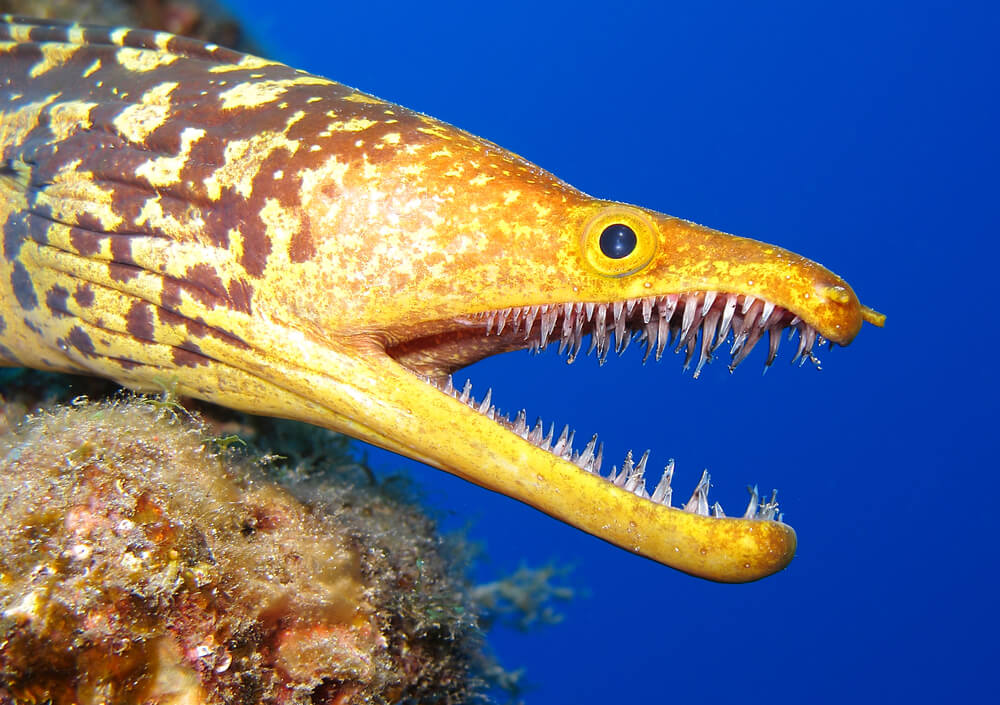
<point x="617" y="241"/>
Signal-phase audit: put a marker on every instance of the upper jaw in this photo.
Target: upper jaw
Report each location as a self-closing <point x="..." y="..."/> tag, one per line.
<point x="702" y="324"/>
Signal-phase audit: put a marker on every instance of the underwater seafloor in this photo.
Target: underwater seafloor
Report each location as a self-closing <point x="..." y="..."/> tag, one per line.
<point x="862" y="136"/>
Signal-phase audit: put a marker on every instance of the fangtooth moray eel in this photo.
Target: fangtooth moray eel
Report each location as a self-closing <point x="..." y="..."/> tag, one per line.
<point x="273" y="241"/>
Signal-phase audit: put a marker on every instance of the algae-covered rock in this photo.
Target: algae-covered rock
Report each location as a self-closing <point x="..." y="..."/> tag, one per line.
<point x="139" y="563"/>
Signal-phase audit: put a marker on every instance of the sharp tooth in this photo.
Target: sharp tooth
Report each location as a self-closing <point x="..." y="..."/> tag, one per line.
<point x="619" y="327"/>
<point x="794" y="321"/>
<point x="536" y="433"/>
<point x="630" y="305"/>
<point x="751" y="512"/>
<point x="636" y="480"/>
<point x="529" y="320"/>
<point x="568" y="450"/>
<point x="449" y="387"/>
<point x="484" y="405"/>
<point x="773" y="341"/>
<point x="770" y="507"/>
<point x="663" y="492"/>
<point x="520" y="426"/>
<point x="549" y="318"/>
<point x="746" y="347"/>
<point x="650" y="338"/>
<point x="727" y="321"/>
<point x="546" y="443"/>
<point x="807" y="336"/>
<point x="490" y="318"/>
<point x="589" y="308"/>
<point x="466" y="392"/>
<point x="662" y="335"/>
<point x="689" y="351"/>
<point x="596" y="467"/>
<point x="584" y="459"/>
<point x="707" y="336"/>
<point x="709" y="300"/>
<point x="567" y="322"/>
<point x="698" y="504"/>
<point x="765" y="313"/>
<point x="717" y="511"/>
<point x="667" y="305"/>
<point x="748" y="301"/>
<point x="647" y="308"/>
<point x="627" y="465"/>
<point x="690" y="309"/>
<point x="560" y="445"/>
<point x="746" y="329"/>
<point x="502" y="319"/>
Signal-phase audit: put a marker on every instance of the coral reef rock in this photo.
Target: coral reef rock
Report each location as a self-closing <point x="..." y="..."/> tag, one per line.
<point x="141" y="562"/>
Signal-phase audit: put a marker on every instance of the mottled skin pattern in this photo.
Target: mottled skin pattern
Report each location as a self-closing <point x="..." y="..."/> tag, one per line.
<point x="174" y="213"/>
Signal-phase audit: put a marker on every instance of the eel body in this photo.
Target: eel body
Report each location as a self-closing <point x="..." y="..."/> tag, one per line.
<point x="177" y="213"/>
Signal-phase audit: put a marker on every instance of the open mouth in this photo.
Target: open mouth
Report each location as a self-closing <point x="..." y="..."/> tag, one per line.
<point x="702" y="325"/>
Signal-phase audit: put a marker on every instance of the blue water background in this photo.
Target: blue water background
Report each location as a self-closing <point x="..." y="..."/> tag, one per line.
<point x="862" y="135"/>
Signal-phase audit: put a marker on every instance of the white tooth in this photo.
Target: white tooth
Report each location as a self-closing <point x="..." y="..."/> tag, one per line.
<point x="636" y="480"/>
<point x="546" y="443"/>
<point x="536" y="433"/>
<point x="747" y="303"/>
<point x="568" y="450"/>
<point x="794" y="321"/>
<point x="466" y="392"/>
<point x="650" y="336"/>
<point x="567" y="323"/>
<point x="727" y="320"/>
<point x="709" y="300"/>
<point x="647" y="308"/>
<point x="585" y="458"/>
<point x="667" y="306"/>
<point x="521" y="424"/>
<point x="560" y="445"/>
<point x="707" y="336"/>
<point x="630" y="306"/>
<point x="690" y="304"/>
<point x="491" y="414"/>
<point x="619" y="327"/>
<point x="698" y="504"/>
<point x="484" y="405"/>
<point x="627" y="465"/>
<point x="449" y="388"/>
<point x="717" y="511"/>
<point x="765" y="313"/>
<point x="618" y="307"/>
<point x="502" y="319"/>
<point x="663" y="492"/>
<point x="770" y="507"/>
<point x="490" y="318"/>
<point x="596" y="467"/>
<point x="773" y="340"/>
<point x="589" y="309"/>
<point x="751" y="512"/>
<point x="529" y="320"/>
<point x="662" y="335"/>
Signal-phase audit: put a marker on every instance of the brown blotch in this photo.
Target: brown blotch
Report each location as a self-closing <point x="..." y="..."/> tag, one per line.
<point x="190" y="358"/>
<point x="170" y="297"/>
<point x="121" y="249"/>
<point x="55" y="299"/>
<point x="207" y="286"/>
<point x="86" y="243"/>
<point x="84" y="295"/>
<point x="122" y="272"/>
<point x="256" y="245"/>
<point x="241" y="296"/>
<point x="301" y="248"/>
<point x="139" y="321"/>
<point x="79" y="339"/>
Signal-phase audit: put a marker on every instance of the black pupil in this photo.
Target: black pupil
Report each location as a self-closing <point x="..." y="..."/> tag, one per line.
<point x="617" y="241"/>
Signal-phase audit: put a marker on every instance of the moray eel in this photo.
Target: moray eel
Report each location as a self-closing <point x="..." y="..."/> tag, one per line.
<point x="276" y="242"/>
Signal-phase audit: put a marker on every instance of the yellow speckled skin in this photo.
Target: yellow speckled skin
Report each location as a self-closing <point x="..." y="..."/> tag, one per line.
<point x="277" y="242"/>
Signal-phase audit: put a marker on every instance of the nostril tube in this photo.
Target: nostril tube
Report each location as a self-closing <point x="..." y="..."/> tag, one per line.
<point x="836" y="293"/>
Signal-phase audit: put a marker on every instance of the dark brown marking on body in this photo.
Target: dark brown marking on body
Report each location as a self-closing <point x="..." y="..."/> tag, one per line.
<point x="55" y="299"/>
<point x="14" y="229"/>
<point x="208" y="288"/>
<point x="241" y="296"/>
<point x="139" y="321"/>
<point x="8" y="354"/>
<point x="84" y="295"/>
<point x="256" y="245"/>
<point x="24" y="290"/>
<point x="184" y="357"/>
<point x="3" y="324"/>
<point x="80" y="340"/>
<point x="30" y="325"/>
<point x="123" y="272"/>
